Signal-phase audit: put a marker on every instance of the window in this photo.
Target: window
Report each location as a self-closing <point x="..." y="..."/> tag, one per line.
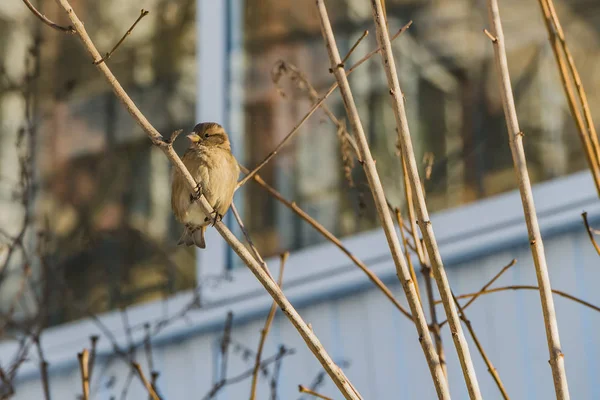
<point x="455" y="114"/>
<point x="102" y="193"/>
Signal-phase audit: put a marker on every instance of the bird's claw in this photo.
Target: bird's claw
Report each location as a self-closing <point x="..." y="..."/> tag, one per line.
<point x="197" y="193"/>
<point x="215" y="217"/>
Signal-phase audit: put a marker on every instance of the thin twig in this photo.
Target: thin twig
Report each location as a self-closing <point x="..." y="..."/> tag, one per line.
<point x="65" y="29"/>
<point x="492" y="370"/>
<point x="590" y="233"/>
<point x="380" y="202"/>
<point x="360" y="39"/>
<point x="85" y="379"/>
<point x="253" y="248"/>
<point x="147" y="384"/>
<point x="311" y="340"/>
<point x="411" y="267"/>
<point x="265" y="331"/>
<point x="425" y="224"/>
<point x="94" y="342"/>
<point x="333" y="239"/>
<point x="529" y="287"/>
<point x="557" y="361"/>
<point x="487" y="285"/>
<point x="143" y="13"/>
<point x="314" y="108"/>
<point x="304" y="389"/>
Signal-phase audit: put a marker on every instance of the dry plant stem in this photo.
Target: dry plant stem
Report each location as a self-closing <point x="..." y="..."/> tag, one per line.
<point x="557" y="361"/>
<point x="425" y="268"/>
<point x="487" y="285"/>
<point x="309" y="337"/>
<point x="265" y="331"/>
<point x="304" y="389"/>
<point x="415" y="183"/>
<point x="491" y="369"/>
<point x="592" y="152"/>
<point x="257" y="255"/>
<point x="85" y="378"/>
<point x="143" y="13"/>
<point x="45" y="20"/>
<point x="578" y="84"/>
<point x="590" y="232"/>
<point x="333" y="239"/>
<point x="314" y="108"/>
<point x="147" y="385"/>
<point x="529" y="287"/>
<point x="411" y="267"/>
<point x="384" y="214"/>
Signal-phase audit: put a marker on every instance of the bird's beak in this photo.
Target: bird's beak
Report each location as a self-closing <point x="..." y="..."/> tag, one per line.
<point x="194" y="138"/>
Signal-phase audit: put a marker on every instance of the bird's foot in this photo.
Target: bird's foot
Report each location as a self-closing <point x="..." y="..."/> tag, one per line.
<point x="197" y="193"/>
<point x="214" y="218"/>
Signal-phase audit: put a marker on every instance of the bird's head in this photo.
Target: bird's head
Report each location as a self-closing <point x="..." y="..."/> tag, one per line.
<point x="209" y="134"/>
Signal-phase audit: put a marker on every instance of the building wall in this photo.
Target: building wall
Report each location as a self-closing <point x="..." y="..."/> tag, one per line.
<point x="359" y="327"/>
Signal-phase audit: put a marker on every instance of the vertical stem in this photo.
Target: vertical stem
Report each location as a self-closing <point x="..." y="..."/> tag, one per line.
<point x="592" y="153"/>
<point x="384" y="214"/>
<point x="425" y="270"/>
<point x="515" y="135"/>
<point x="439" y="274"/>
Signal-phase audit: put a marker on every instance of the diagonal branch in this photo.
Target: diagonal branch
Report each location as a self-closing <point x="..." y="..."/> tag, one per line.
<point x="515" y="136"/>
<point x="590" y="232"/>
<point x="307" y="334"/>
<point x="66" y="29"/>
<point x="333" y="239"/>
<point x="314" y="108"/>
<point x="143" y="13"/>
<point x="265" y="331"/>
<point x="380" y="202"/>
<point x="408" y="155"/>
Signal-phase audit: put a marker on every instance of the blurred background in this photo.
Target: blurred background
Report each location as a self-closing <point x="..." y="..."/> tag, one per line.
<point x="83" y="189"/>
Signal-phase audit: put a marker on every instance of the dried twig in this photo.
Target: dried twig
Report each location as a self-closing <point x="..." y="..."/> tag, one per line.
<point x="265" y="331"/>
<point x="424" y="221"/>
<point x="557" y="361"/>
<point x="314" y="108"/>
<point x="492" y="370"/>
<point x="379" y="197"/>
<point x="333" y="239"/>
<point x="85" y="378"/>
<point x="590" y="232"/>
<point x="487" y="285"/>
<point x="564" y="61"/>
<point x="147" y="385"/>
<point x="304" y="389"/>
<point x="66" y="29"/>
<point x="309" y="337"/>
<point x="143" y="13"/>
<point x="528" y="287"/>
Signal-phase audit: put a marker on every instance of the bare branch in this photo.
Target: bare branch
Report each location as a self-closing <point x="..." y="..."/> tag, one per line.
<point x="408" y="155"/>
<point x="65" y="29"/>
<point x="529" y="287"/>
<point x="590" y="232"/>
<point x="557" y="361"/>
<point x="85" y="378"/>
<point x="147" y="384"/>
<point x="265" y="331"/>
<point x="314" y="108"/>
<point x="304" y="389"/>
<point x="143" y="13"/>
<point x="379" y="197"/>
<point x="307" y="334"/>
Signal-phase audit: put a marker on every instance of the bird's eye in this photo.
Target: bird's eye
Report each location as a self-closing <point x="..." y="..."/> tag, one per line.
<point x="206" y="135"/>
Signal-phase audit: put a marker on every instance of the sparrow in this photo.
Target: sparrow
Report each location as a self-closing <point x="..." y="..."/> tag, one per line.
<point x="216" y="172"/>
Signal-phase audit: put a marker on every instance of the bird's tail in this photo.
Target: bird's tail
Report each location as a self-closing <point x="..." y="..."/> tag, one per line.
<point x="193" y="236"/>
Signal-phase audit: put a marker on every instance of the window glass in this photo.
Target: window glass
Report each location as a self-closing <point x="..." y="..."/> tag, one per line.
<point x="101" y="192"/>
<point x="447" y="74"/>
